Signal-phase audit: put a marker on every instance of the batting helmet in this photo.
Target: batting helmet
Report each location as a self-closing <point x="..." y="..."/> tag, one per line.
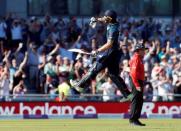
<point x="111" y="13"/>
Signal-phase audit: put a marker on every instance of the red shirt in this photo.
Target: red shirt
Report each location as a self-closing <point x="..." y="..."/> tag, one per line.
<point x="137" y="69"/>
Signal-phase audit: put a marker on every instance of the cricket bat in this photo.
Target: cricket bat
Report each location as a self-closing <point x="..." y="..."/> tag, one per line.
<point x="79" y="51"/>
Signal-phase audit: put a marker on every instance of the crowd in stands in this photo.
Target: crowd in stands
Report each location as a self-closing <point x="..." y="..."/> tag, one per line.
<point x="31" y="60"/>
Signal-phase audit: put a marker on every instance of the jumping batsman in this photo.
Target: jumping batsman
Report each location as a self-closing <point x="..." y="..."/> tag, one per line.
<point x="110" y="58"/>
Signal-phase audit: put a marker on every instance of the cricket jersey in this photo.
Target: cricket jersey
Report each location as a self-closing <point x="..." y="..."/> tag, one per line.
<point x="113" y="34"/>
<point x="137" y="69"/>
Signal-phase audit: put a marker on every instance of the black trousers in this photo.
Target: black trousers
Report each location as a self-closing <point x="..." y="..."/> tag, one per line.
<point x="137" y="101"/>
<point x="111" y="61"/>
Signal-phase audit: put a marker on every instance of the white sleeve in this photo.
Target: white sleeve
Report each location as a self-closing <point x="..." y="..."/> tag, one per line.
<point x="102" y="86"/>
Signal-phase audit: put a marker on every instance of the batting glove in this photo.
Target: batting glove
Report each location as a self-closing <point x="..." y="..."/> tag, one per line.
<point x="93" y="22"/>
<point x="138" y="89"/>
<point x="94" y="53"/>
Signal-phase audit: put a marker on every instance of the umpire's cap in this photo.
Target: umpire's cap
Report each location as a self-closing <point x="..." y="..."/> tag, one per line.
<point x="139" y="46"/>
<point x="111" y="13"/>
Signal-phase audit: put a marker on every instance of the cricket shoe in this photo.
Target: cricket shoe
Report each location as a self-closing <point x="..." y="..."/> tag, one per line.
<point x="128" y="98"/>
<point x="74" y="85"/>
<point x="136" y="123"/>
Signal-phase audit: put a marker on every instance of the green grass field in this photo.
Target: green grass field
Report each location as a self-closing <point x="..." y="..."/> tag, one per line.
<point x="89" y="125"/>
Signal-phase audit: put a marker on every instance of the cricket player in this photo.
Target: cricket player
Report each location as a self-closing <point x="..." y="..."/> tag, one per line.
<point x="110" y="58"/>
<point x="137" y="74"/>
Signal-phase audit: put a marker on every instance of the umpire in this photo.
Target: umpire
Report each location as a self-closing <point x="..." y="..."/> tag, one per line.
<point x="110" y="56"/>
<point x="137" y="83"/>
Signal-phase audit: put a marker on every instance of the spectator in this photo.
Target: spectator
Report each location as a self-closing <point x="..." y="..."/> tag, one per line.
<point x="35" y="30"/>
<point x="64" y="88"/>
<point x="33" y="62"/>
<point x="20" y="72"/>
<point x="100" y="79"/>
<point x="109" y="90"/>
<point x="16" y="32"/>
<point x="42" y="76"/>
<point x="66" y="65"/>
<point x="19" y="90"/>
<point x="150" y="59"/>
<point x="125" y="52"/>
<point x="125" y="73"/>
<point x="165" y="88"/>
<point x="3" y="37"/>
<point x="4" y="82"/>
<point x="78" y="67"/>
<point x="148" y="92"/>
<point x="18" y="55"/>
<point x="51" y="72"/>
<point x="177" y="89"/>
